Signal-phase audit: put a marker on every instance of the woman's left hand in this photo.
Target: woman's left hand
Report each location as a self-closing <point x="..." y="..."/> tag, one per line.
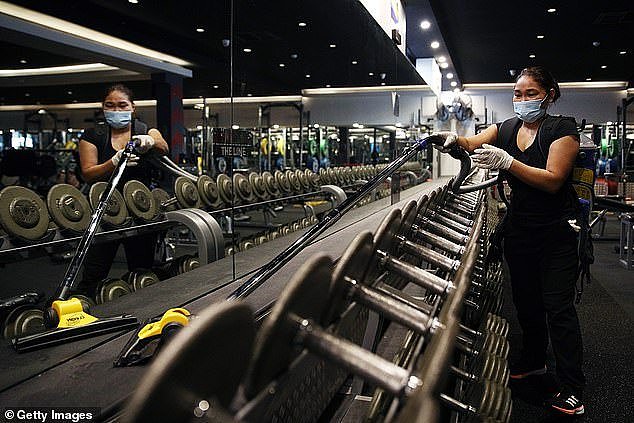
<point x="490" y="157"/>
<point x="144" y="143"/>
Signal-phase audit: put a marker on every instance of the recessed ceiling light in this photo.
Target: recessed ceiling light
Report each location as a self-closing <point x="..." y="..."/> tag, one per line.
<point x="69" y="92"/>
<point x="441" y="59"/>
<point x="444" y="65"/>
<point x="276" y="126"/>
<point x="382" y="83"/>
<point x="327" y="85"/>
<point x="333" y="45"/>
<point x="588" y="79"/>
<point x="622" y="52"/>
<point x="425" y="24"/>
<point x="282" y="65"/>
<point x="453" y="83"/>
<point x="235" y="127"/>
<point x="23" y="61"/>
<point x="532" y="56"/>
<point x="294" y="55"/>
<point x="354" y="62"/>
<point x="370" y="73"/>
<point x="434" y="44"/>
<point x="551" y="10"/>
<point x="450" y="75"/>
<point x="302" y="24"/>
<point x="27" y="94"/>
<point x="200" y="29"/>
<point x="247" y="50"/>
<point x="133" y="1"/>
<point x="215" y="86"/>
<point x="604" y="66"/>
<point x="307" y="75"/>
<point x="249" y="95"/>
<point x="540" y="37"/>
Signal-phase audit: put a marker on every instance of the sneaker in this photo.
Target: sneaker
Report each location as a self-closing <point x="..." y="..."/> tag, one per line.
<point x="522" y="369"/>
<point x="567" y="402"/>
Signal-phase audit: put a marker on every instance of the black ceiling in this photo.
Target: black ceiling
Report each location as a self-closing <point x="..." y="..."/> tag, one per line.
<point x="484" y="39"/>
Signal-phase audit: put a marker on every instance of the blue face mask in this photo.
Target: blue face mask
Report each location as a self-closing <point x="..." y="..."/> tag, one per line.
<point x="118" y="120"/>
<point x="531" y="110"/>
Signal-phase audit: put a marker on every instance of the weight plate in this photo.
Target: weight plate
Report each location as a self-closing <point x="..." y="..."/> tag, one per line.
<point x="247" y="245"/>
<point x="208" y="191"/>
<point x="186" y="193"/>
<point x="282" y="182"/>
<point x="162" y="197"/>
<point x="188" y="263"/>
<point x="324" y="176"/>
<point x="295" y="226"/>
<point x="313" y="179"/>
<point x="87" y="303"/>
<point x="293" y="180"/>
<point x="388" y="228"/>
<point x="348" y="176"/>
<point x="140" y="200"/>
<point x="332" y="176"/>
<point x="143" y="280"/>
<point x="257" y="186"/>
<point x="243" y="188"/>
<point x="116" y="213"/>
<point x="408" y="218"/>
<point x="352" y="264"/>
<point x="109" y="289"/>
<point x="270" y="184"/>
<point x="225" y="188"/>
<point x="27" y="322"/>
<point x="305" y="296"/>
<point x="303" y="179"/>
<point x="23" y="213"/>
<point x="68" y="207"/>
<point x="192" y="369"/>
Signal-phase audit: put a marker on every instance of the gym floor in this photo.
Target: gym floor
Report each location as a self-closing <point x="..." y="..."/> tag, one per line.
<point x="605" y="312"/>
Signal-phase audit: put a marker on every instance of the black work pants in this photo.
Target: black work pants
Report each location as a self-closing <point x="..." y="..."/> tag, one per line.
<point x="139" y="252"/>
<point x="543" y="265"/>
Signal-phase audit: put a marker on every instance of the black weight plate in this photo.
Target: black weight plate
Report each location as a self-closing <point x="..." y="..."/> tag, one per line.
<point x="257" y="186"/>
<point x="306" y="296"/>
<point x="332" y="176"/>
<point x="303" y="179"/>
<point x="23" y="213"/>
<point x="28" y="321"/>
<point x="270" y="184"/>
<point x="140" y="200"/>
<point x="324" y="177"/>
<point x="190" y="263"/>
<point x="116" y="213"/>
<point x="162" y="197"/>
<point x="243" y="188"/>
<point x="387" y="230"/>
<point x="109" y="289"/>
<point x="143" y="279"/>
<point x="225" y="188"/>
<point x="282" y="182"/>
<point x="208" y="191"/>
<point x="293" y="180"/>
<point x="186" y="193"/>
<point x="348" y="175"/>
<point x="408" y="218"/>
<point x="353" y="264"/>
<point x="204" y="361"/>
<point x="313" y="179"/>
<point x="68" y="207"/>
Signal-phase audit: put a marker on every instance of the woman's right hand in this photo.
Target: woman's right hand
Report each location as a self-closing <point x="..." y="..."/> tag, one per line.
<point x="449" y="139"/>
<point x="133" y="160"/>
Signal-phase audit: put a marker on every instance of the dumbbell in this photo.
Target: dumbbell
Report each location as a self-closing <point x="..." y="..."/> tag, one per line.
<point x="295" y="321"/>
<point x="140" y="201"/>
<point x="271" y="185"/>
<point x="111" y="288"/>
<point x="258" y="186"/>
<point x="183" y="264"/>
<point x="208" y="191"/>
<point x="283" y="182"/>
<point x="246" y="244"/>
<point x="162" y="197"/>
<point x="434" y="216"/>
<point x="243" y="188"/>
<point x="493" y="401"/>
<point x="139" y="279"/>
<point x="186" y="195"/>
<point x="485" y="366"/>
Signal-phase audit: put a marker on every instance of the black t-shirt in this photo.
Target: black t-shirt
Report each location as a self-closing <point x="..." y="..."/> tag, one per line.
<point x="532" y="207"/>
<point x="141" y="172"/>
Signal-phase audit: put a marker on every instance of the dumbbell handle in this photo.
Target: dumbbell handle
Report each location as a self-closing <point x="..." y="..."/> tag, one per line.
<point x="457" y="405"/>
<point x="429" y="255"/>
<point x="469" y="377"/>
<point x="386" y="289"/>
<point x="416" y="275"/>
<point x="443" y="220"/>
<point x="357" y="360"/>
<point x="449" y="233"/>
<point x="454" y="216"/>
<point x="459" y="208"/>
<point x="439" y="242"/>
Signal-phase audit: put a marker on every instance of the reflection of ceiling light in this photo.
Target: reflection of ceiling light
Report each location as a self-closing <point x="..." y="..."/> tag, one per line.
<point x="441" y="59"/>
<point x="235" y="127"/>
<point x="200" y="29"/>
<point x="354" y="62"/>
<point x="540" y="37"/>
<point x="215" y="86"/>
<point x="382" y="83"/>
<point x="316" y="126"/>
<point x="434" y="44"/>
<point x="282" y="65"/>
<point x="588" y="79"/>
<point x="456" y="90"/>
<point x="453" y="83"/>
<point x="370" y="73"/>
<point x="425" y="24"/>
<point x="551" y="10"/>
<point x="327" y="85"/>
<point x="399" y="124"/>
<point x="276" y="126"/>
<point x="27" y="94"/>
<point x="622" y="52"/>
<point x="333" y="45"/>
<point x="355" y="125"/>
<point x="444" y="65"/>
<point x="449" y="75"/>
<point x="56" y="70"/>
<point x="41" y="112"/>
<point x="69" y="92"/>
<point x="302" y="24"/>
<point x="23" y="61"/>
<point x="247" y="50"/>
<point x="133" y="1"/>
<point x="294" y="55"/>
<point x="604" y="66"/>
<point x="249" y="95"/>
<point x="199" y="127"/>
<point x="307" y="75"/>
<point x="532" y="56"/>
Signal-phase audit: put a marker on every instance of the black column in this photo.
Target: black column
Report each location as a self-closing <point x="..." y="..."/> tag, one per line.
<point x="344" y="153"/>
<point x="168" y="91"/>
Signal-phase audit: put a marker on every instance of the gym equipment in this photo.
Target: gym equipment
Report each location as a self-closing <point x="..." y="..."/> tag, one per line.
<point x="116" y="213"/>
<point x="67" y="316"/>
<point x="186" y="193"/>
<point x="151" y="336"/>
<point x="243" y="188"/>
<point x="139" y="279"/>
<point x="293" y="180"/>
<point x="272" y="188"/>
<point x="208" y="191"/>
<point x="313" y="179"/>
<point x="225" y="189"/>
<point x="140" y="201"/>
<point x="303" y="180"/>
<point x="110" y="288"/>
<point x="162" y="199"/>
<point x="486" y="401"/>
<point x="23" y="214"/>
<point x="283" y="182"/>
<point x="68" y="207"/>
<point x="258" y="186"/>
<point x="199" y="372"/>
